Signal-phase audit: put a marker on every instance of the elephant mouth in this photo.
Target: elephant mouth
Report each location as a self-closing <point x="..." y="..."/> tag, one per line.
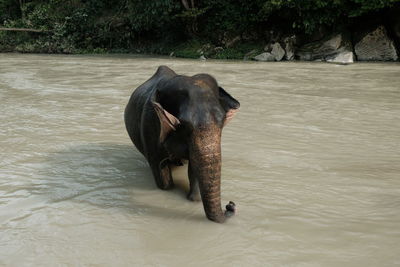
<point x="172" y="161"/>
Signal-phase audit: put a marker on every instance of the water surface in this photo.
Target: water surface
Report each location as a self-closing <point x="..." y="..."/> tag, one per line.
<point x="312" y="160"/>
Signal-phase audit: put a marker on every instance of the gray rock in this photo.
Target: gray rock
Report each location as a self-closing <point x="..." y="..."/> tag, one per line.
<point x="376" y="46"/>
<point x="250" y="54"/>
<point x="289" y="47"/>
<point x="202" y="57"/>
<point x="266" y="56"/>
<point x="328" y="48"/>
<point x="345" y="57"/>
<point x="277" y="51"/>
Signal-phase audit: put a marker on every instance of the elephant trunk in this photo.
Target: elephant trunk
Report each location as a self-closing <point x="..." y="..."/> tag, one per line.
<point x="205" y="160"/>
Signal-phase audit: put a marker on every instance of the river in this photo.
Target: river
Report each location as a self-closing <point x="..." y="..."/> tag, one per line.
<point x="312" y="160"/>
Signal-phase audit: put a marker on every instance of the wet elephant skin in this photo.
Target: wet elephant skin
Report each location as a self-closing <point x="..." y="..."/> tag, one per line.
<point x="171" y="118"/>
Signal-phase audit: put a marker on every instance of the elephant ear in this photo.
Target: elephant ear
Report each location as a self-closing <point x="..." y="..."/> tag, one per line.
<point x="229" y="104"/>
<point x="168" y="122"/>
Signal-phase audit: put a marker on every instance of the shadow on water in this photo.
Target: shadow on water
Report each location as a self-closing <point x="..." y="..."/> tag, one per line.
<point x="107" y="176"/>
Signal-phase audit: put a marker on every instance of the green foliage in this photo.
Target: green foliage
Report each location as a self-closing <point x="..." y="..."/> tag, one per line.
<point x="8" y="10"/>
<point x="157" y="26"/>
<point x="360" y="7"/>
<point x="240" y="51"/>
<point x="229" y="17"/>
<point x="307" y="15"/>
<point x="38" y="15"/>
<point x="150" y="15"/>
<point x="195" y="49"/>
<point x="191" y="49"/>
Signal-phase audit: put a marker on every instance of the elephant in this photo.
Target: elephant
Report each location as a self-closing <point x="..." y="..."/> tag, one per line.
<point x="172" y="118"/>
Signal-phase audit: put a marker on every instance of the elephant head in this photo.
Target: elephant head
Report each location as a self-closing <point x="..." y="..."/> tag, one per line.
<point x="192" y="112"/>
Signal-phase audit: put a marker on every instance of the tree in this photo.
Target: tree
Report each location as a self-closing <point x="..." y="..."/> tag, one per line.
<point x="186" y="5"/>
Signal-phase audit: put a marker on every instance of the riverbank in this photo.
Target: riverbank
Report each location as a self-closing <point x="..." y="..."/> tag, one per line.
<point x="373" y="36"/>
<point x="378" y="43"/>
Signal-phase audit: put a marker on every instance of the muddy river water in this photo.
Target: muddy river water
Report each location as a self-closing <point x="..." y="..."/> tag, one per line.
<point x="312" y="160"/>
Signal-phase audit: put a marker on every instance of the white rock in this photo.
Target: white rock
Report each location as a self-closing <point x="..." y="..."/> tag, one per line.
<point x="266" y="56"/>
<point x="345" y="57"/>
<point x="277" y="51"/>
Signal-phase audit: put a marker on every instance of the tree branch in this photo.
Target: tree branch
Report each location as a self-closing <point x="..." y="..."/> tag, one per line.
<point x="185" y="4"/>
<point x="21" y="29"/>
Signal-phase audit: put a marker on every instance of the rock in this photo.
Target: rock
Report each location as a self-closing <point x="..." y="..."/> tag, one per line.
<point x="250" y="54"/>
<point x="320" y="33"/>
<point x="328" y="48"/>
<point x="277" y="51"/>
<point x="289" y="47"/>
<point x="266" y="56"/>
<point x="376" y="46"/>
<point x="172" y="54"/>
<point x="345" y="57"/>
<point x="202" y="57"/>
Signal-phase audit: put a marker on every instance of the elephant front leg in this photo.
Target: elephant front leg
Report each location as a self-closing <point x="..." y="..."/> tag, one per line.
<point x="194" y="192"/>
<point x="162" y="174"/>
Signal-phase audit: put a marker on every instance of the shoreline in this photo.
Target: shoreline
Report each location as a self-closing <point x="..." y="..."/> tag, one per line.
<point x="335" y="47"/>
<point x="161" y="56"/>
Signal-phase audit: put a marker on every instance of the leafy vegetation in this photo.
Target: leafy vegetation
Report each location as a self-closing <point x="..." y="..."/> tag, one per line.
<point x="162" y="26"/>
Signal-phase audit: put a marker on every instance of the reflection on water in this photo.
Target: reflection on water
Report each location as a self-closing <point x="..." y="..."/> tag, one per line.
<point x="312" y="160"/>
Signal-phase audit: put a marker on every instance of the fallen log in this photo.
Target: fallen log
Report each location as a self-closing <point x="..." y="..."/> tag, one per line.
<point x="21" y="29"/>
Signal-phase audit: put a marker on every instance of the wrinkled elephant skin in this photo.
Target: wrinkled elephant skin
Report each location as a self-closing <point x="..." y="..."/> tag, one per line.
<point x="171" y="118"/>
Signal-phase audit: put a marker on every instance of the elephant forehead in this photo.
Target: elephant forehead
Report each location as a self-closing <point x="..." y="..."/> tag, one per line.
<point x="202" y="84"/>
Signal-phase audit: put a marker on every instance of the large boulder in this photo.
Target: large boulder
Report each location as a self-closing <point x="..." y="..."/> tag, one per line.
<point x="290" y="43"/>
<point x="277" y="51"/>
<point x="345" y="57"/>
<point x="266" y="56"/>
<point x="376" y="46"/>
<point x="327" y="49"/>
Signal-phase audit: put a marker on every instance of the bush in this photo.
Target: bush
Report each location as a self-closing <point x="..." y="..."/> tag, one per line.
<point x="160" y="25"/>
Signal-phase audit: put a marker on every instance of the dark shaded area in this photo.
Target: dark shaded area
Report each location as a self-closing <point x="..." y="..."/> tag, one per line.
<point x="230" y="28"/>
